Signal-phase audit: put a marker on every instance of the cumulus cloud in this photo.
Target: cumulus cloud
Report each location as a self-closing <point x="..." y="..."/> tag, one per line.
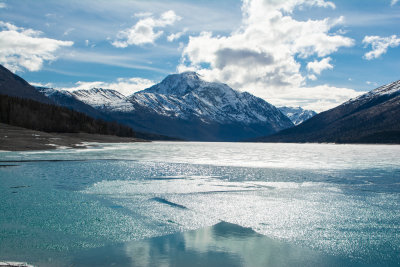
<point x="25" y="49"/>
<point x="318" y="66"/>
<point x="144" y="31"/>
<point x="125" y="86"/>
<point x="262" y="55"/>
<point x="393" y="2"/>
<point x="379" y="45"/>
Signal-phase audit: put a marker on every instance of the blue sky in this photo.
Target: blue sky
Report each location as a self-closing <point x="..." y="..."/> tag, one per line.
<point x="310" y="53"/>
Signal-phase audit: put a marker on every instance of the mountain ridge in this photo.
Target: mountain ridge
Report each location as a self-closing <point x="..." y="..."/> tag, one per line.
<point x="187" y="107"/>
<point x="297" y="114"/>
<point x="370" y="118"/>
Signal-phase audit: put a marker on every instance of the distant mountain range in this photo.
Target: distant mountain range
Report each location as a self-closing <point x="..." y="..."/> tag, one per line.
<point x="184" y="106"/>
<point x="370" y="118"/>
<point x="296" y="114"/>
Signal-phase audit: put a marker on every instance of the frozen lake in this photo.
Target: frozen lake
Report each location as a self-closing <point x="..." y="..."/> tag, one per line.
<point x="318" y="203"/>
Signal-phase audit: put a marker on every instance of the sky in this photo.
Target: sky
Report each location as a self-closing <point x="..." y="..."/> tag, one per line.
<point x="310" y="53"/>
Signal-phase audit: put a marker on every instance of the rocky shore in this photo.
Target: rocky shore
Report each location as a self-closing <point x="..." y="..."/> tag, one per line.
<point x="20" y="139"/>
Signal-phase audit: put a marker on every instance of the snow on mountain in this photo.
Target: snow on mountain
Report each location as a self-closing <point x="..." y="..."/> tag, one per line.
<point x="186" y="107"/>
<point x="296" y="114"/>
<point x="104" y="99"/>
<point x="388" y="90"/>
<point x="186" y="96"/>
<point x="52" y="92"/>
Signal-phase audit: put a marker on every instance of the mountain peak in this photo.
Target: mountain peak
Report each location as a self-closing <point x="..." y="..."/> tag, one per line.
<point x="177" y="84"/>
<point x="190" y="74"/>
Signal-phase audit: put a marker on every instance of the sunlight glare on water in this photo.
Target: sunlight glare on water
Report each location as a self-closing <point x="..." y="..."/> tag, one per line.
<point x="341" y="200"/>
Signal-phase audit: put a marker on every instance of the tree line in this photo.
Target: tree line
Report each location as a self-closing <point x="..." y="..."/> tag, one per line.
<point x="38" y="116"/>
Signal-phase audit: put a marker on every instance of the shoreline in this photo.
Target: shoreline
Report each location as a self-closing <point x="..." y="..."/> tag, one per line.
<point x="13" y="138"/>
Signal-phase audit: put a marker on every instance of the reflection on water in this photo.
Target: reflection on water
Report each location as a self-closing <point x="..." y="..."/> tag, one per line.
<point x="223" y="244"/>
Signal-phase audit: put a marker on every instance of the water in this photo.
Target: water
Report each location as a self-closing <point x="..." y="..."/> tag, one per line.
<point x="339" y="203"/>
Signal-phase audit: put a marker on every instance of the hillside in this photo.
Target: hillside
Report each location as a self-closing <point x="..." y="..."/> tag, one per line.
<point x="371" y="118"/>
<point x="13" y="85"/>
<point x="38" y="116"/>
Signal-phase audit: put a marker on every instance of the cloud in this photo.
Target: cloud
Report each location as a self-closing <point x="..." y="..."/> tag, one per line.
<point x="318" y="66"/>
<point x="371" y="83"/>
<point x="118" y="60"/>
<point x="264" y="55"/>
<point x="243" y="57"/>
<point x="37" y="84"/>
<point x="143" y="14"/>
<point x="379" y="45"/>
<point x="125" y="86"/>
<point x="25" y="49"/>
<point x="68" y="31"/>
<point x="3" y="5"/>
<point x="318" y="98"/>
<point x="393" y="2"/>
<point x="312" y="77"/>
<point x="143" y="32"/>
<point x="175" y="36"/>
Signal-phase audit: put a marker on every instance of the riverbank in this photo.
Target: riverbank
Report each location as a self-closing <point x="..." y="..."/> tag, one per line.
<point x="14" y="138"/>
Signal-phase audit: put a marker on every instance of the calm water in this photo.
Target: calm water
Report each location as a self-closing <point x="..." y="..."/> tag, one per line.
<point x="216" y="203"/>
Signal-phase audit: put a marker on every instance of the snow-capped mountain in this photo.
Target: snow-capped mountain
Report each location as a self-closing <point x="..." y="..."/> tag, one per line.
<point x="105" y="99"/>
<point x="69" y="100"/>
<point x="187" y="107"/>
<point x="388" y="90"/>
<point x="186" y="96"/>
<point x="370" y="118"/>
<point x="296" y="114"/>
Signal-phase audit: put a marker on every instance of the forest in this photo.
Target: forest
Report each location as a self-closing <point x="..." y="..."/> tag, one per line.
<point x="38" y="116"/>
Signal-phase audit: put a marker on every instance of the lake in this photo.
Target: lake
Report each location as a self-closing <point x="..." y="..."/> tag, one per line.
<point x="189" y="203"/>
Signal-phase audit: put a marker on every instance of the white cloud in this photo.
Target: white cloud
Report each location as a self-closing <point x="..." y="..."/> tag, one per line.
<point x="379" y="45"/>
<point x="68" y="31"/>
<point x="318" y="98"/>
<point x="175" y="36"/>
<point x="143" y="14"/>
<point x="3" y="5"/>
<point x="261" y="56"/>
<point x="371" y="83"/>
<point x="143" y="32"/>
<point x="318" y="66"/>
<point x="393" y="2"/>
<point x="312" y="77"/>
<point x="25" y="49"/>
<point x="49" y="85"/>
<point x="125" y="86"/>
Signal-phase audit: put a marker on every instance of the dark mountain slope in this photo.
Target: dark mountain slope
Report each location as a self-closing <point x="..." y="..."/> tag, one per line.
<point x="13" y="85"/>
